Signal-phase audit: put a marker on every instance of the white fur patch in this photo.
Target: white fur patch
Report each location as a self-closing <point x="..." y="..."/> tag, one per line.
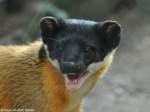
<point x="54" y="62"/>
<point x="92" y="68"/>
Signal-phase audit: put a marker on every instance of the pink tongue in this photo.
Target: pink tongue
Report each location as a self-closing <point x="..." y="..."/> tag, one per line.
<point x="73" y="82"/>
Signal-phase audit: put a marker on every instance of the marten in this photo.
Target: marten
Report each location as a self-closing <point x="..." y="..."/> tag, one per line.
<point x="55" y="73"/>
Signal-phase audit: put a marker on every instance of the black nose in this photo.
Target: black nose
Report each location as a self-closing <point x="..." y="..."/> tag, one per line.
<point x="71" y="67"/>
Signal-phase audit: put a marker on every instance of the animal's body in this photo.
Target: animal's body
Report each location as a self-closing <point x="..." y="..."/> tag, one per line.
<point x="32" y="77"/>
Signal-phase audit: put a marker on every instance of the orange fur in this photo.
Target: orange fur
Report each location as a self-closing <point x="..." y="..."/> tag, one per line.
<point x="55" y="87"/>
<point x="27" y="82"/>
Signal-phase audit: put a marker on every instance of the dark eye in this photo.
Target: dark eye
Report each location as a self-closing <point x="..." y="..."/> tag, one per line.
<point x="89" y="53"/>
<point x="61" y="54"/>
<point x="60" y="49"/>
<point x="89" y="49"/>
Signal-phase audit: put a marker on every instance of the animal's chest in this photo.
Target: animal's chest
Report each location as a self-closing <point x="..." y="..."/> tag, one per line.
<point x="54" y="88"/>
<point x="60" y="98"/>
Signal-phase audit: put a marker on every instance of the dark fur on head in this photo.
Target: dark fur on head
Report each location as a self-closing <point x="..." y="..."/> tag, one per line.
<point x="76" y="44"/>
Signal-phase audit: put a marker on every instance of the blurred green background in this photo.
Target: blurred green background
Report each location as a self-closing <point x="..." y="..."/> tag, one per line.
<point x="125" y="88"/>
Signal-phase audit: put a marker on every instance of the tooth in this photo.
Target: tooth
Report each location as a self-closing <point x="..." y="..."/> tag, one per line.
<point x="76" y="81"/>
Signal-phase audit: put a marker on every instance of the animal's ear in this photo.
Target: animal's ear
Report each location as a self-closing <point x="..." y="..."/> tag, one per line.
<point x="49" y="27"/>
<point x="110" y="33"/>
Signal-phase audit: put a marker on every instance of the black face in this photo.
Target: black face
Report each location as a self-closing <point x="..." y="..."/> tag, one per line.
<point x="75" y="44"/>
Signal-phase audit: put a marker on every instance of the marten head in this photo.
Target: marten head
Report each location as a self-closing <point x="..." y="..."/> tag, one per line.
<point x="77" y="47"/>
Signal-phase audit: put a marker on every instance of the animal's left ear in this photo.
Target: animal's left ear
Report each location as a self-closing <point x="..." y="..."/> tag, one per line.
<point x="49" y="27"/>
<point x="109" y="33"/>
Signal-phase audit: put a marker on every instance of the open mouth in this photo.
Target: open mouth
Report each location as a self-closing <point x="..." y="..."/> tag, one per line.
<point x="74" y="80"/>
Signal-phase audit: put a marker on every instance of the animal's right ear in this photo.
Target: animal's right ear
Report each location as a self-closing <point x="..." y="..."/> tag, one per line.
<point x="49" y="27"/>
<point x="109" y="31"/>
